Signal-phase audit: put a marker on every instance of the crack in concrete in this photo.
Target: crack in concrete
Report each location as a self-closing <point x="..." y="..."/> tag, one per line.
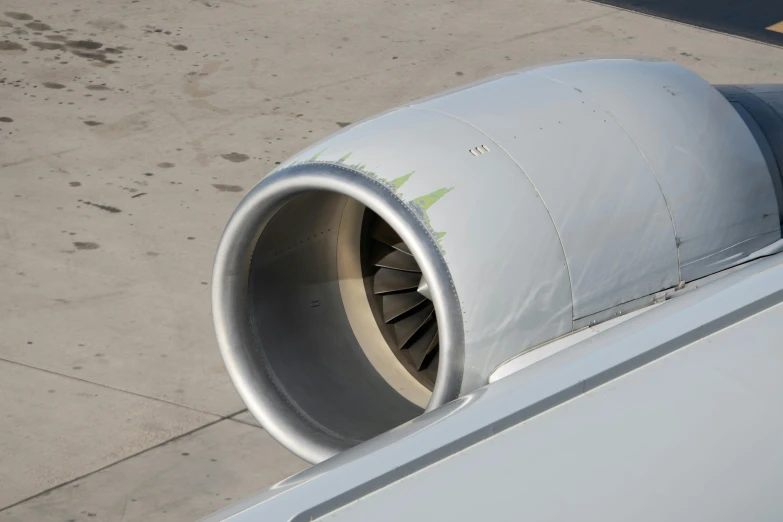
<point x="107" y="466"/>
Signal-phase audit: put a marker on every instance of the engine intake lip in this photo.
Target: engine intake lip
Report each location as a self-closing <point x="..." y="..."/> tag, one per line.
<point x="239" y="346"/>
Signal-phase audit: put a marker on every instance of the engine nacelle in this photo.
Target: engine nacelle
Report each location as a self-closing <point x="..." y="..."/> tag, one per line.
<point x="393" y="266"/>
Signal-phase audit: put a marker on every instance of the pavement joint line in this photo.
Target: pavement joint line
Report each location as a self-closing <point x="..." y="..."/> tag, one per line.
<point x="522" y="36"/>
<point x="545" y="30"/>
<point x="40" y="157"/>
<point x="686" y="24"/>
<point x="107" y="466"/>
<point x="243" y="421"/>
<point x="52" y="372"/>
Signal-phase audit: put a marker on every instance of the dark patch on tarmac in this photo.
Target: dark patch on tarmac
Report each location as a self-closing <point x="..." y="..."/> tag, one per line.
<point x="227" y="188"/>
<point x="11" y="46"/>
<point x="748" y="18"/>
<point x="98" y="56"/>
<point x="84" y="44"/>
<point x="53" y="85"/>
<point x="85" y="245"/>
<point x="47" y="46"/>
<point x="38" y="26"/>
<point x="107" y="208"/>
<point x="106" y="24"/>
<point x="87" y="49"/>
<point x="18" y="16"/>
<point x="236" y="157"/>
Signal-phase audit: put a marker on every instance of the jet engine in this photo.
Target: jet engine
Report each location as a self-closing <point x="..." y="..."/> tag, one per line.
<point x="390" y="268"/>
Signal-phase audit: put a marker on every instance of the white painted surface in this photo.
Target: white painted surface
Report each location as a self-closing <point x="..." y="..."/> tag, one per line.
<point x="707" y="163"/>
<point x="598" y="188"/>
<point x="539" y="353"/>
<point x="692" y="436"/>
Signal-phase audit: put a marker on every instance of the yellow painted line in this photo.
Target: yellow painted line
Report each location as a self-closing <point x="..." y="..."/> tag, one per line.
<point x="778" y="27"/>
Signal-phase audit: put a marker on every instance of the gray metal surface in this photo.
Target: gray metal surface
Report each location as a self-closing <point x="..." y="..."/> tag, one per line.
<point x="303" y="332"/>
<point x="693" y="436"/>
<point x="544" y="200"/>
<point x="312" y="406"/>
<point x="670" y="415"/>
<point x="490" y="215"/>
<point x="761" y="107"/>
<point x="600" y="191"/>
<point x="708" y="165"/>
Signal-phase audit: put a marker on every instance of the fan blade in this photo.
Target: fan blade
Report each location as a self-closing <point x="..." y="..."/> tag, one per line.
<point x="406" y="328"/>
<point x="394" y="305"/>
<point x="424" y="345"/>
<point x="387" y="280"/>
<point x="386" y="235"/>
<point x="431" y="366"/>
<point x="389" y="258"/>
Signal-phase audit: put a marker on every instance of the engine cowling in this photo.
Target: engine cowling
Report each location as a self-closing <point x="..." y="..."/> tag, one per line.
<point x="393" y="266"/>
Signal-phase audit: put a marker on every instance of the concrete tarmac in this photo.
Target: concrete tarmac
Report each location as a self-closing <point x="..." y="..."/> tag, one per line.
<point x="129" y="131"/>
